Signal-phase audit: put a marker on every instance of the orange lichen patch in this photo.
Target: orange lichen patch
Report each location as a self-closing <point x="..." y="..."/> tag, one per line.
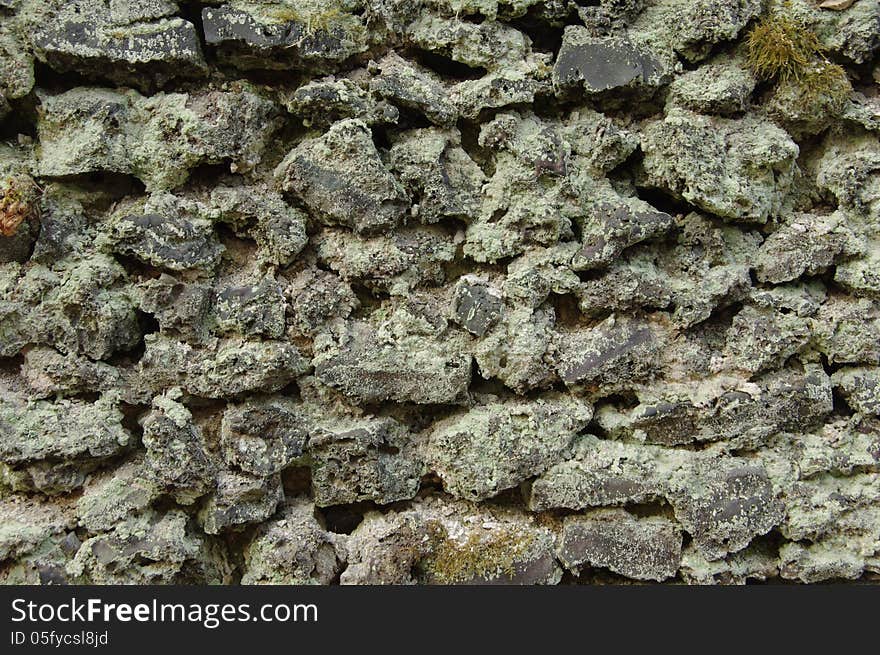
<point x="16" y="204"/>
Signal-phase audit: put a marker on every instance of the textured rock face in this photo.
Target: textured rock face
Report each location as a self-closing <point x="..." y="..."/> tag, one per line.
<point x="126" y="43"/>
<point x="437" y="292"/>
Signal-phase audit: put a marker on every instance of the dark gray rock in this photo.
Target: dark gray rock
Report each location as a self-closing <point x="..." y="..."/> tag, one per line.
<point x="611" y="228"/>
<point x="263" y="437"/>
<point x="638" y="548"/>
<point x="616" y="352"/>
<point x="342" y="180"/>
<point x="170" y="242"/>
<point x="313" y="36"/>
<point x="595" y="64"/>
<point x="476" y="305"/>
<point x="86" y="37"/>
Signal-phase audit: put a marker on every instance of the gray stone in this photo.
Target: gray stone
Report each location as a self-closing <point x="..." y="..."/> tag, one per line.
<point x="342" y="180"/>
<point x="616" y="352"/>
<point x="497" y="445"/>
<point x="476" y="305"/>
<point x="265" y="436"/>
<point x="362" y="459"/>
<point x="293" y="549"/>
<point x="177" y="456"/>
<point x="144" y="50"/>
<point x="639" y="548"/>
<point x="177" y="553"/>
<point x="735" y="168"/>
<point x="414" y="368"/>
<point x="239" y="500"/>
<point x="597" y="64"/>
<point x="315" y="35"/>
<point x="169" y="242"/>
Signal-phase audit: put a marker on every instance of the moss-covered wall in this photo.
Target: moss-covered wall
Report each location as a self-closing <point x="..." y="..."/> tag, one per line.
<point x="439" y="291"/>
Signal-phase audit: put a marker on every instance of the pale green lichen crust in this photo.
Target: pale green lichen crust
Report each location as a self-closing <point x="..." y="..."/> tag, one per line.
<point x="439" y="292"/>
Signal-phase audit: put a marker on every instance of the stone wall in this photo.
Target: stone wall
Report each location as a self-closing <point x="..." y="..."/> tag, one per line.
<point x="439" y="291"/>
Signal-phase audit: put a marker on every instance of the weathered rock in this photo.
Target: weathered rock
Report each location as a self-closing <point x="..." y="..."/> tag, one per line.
<point x="597" y="64"/>
<point x="177" y="453"/>
<point x="28" y="523"/>
<point x="225" y="368"/>
<point x="251" y="310"/>
<point x="735" y="168"/>
<point x="145" y="49"/>
<point x="278" y="228"/>
<point x="860" y="386"/>
<point x="323" y="102"/>
<point x="175" y="552"/>
<point x="722" y="502"/>
<point x="756" y="562"/>
<point x="77" y="306"/>
<point x="443" y="542"/>
<point x="49" y="373"/>
<point x="314" y="34"/>
<point x="692" y="28"/>
<point x="293" y="549"/>
<point x="497" y="445"/>
<point x="342" y="180"/>
<point x="514" y="85"/>
<point x="805" y="244"/>
<point x="411" y="86"/>
<point x="367" y="368"/>
<point x="616" y="352"/>
<point x="725" y="504"/>
<point x="437" y="172"/>
<point x="605" y="472"/>
<point x="747" y="415"/>
<point x="240" y="499"/>
<point x="395" y="263"/>
<point x="476" y="305"/>
<point x="847" y="330"/>
<point x="642" y="549"/>
<point x="37" y="540"/>
<point x="167" y="241"/>
<point x="611" y="227"/>
<point x="363" y="459"/>
<point x="16" y="65"/>
<point x="721" y="88"/>
<point x="113" y="495"/>
<point x="316" y="297"/>
<point x="51" y="446"/>
<point x="760" y="339"/>
<point x="263" y="437"/>
<point x="466" y="42"/>
<point x="88" y="130"/>
<point x="849" y="33"/>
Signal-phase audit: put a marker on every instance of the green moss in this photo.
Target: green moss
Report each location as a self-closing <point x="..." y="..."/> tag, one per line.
<point x="780" y="47"/>
<point x="480" y="556"/>
<point x="320" y="21"/>
<point x="823" y="85"/>
<point x="810" y="90"/>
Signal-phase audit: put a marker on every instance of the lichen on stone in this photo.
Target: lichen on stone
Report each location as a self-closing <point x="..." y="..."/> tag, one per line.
<point x="439" y="292"/>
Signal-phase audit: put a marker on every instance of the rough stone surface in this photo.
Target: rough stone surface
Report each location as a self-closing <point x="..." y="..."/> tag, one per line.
<point x="438" y="292"/>
<point x="648" y="549"/>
